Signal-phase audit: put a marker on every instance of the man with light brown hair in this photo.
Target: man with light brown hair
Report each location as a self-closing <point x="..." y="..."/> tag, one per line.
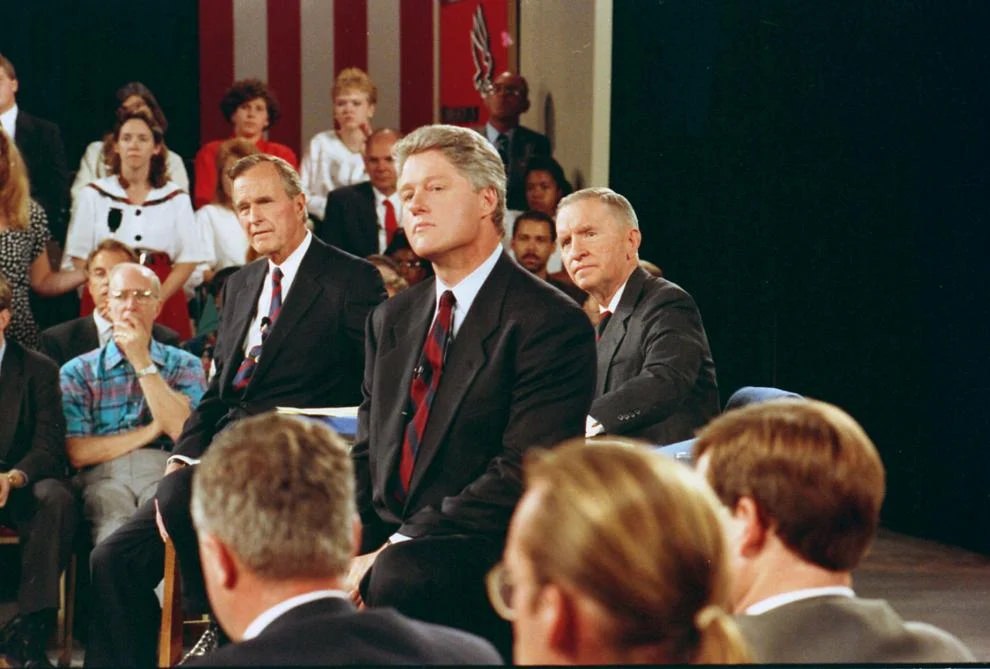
<point x="804" y="486"/>
<point x="276" y="550"/>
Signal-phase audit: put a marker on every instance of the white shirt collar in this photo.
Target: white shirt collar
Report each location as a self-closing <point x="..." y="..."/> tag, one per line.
<point x="3" y="348"/>
<point x="467" y="289"/>
<point x="104" y="328"/>
<point x="614" y="302"/>
<point x="268" y="616"/>
<point x="290" y="266"/>
<point x="8" y="120"/>
<point x="777" y="601"/>
<point x="492" y="133"/>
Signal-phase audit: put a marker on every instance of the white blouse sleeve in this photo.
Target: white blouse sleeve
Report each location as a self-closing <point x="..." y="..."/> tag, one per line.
<point x="188" y="238"/>
<point x="81" y="236"/>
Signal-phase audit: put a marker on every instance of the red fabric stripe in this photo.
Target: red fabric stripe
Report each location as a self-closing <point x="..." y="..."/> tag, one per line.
<point x="285" y="71"/>
<point x="350" y="34"/>
<point x="416" y="63"/>
<point x="216" y="65"/>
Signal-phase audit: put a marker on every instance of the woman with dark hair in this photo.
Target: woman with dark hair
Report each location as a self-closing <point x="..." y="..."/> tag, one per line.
<point x="410" y="266"/>
<point x="545" y="184"/>
<point x="139" y="206"/>
<point x="251" y="109"/>
<point x="23" y="255"/>
<point x="95" y="163"/>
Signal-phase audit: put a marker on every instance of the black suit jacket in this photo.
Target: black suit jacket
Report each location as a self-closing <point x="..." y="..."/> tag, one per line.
<point x="519" y="373"/>
<point x="313" y="356"/>
<point x="40" y="142"/>
<point x="656" y="376"/>
<point x="331" y="631"/>
<point x="32" y="427"/>
<point x="350" y="222"/>
<point x="65" y="341"/>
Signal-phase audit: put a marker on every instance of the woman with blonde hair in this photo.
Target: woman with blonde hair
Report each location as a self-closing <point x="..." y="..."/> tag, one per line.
<point x="615" y="555"/>
<point x="23" y="254"/>
<point x="335" y="158"/>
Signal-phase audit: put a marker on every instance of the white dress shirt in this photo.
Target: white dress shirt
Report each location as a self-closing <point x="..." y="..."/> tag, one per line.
<point x="289" y="267"/>
<point x="268" y="616"/>
<point x="380" y="213"/>
<point x="782" y="599"/>
<point x="591" y="426"/>
<point x="8" y="121"/>
<point x="104" y="328"/>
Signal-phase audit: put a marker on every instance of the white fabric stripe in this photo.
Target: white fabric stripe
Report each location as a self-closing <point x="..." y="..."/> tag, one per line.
<point x="601" y="119"/>
<point x="316" y="42"/>
<point x="250" y="39"/>
<point x="383" y="59"/>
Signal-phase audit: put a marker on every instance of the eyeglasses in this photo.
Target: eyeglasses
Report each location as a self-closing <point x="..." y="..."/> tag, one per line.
<point x="411" y="264"/>
<point x="143" y="296"/>
<point x="514" y="91"/>
<point x="500" y="590"/>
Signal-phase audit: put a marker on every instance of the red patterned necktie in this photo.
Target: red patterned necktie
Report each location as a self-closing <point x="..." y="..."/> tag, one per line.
<point x="603" y="319"/>
<point x="250" y="362"/>
<point x="391" y="222"/>
<point x="426" y="380"/>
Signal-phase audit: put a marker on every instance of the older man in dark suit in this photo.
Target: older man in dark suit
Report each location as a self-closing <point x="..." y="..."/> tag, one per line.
<point x="291" y="334"/>
<point x="656" y="377"/>
<point x="275" y="564"/>
<point x="33" y="496"/>
<point x="65" y="341"/>
<point x="464" y="372"/>
<point x="362" y="219"/>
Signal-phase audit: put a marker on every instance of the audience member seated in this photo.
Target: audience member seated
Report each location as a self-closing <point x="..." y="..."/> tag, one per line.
<point x="411" y="267"/>
<point x="534" y="238"/>
<point x="506" y="100"/>
<point x="204" y="344"/>
<point x="67" y="340"/>
<point x="656" y="376"/>
<point x="23" y="252"/>
<point x="226" y="239"/>
<point x="546" y="185"/>
<point x="139" y="206"/>
<point x="291" y="334"/>
<point x="33" y="497"/>
<point x="95" y="163"/>
<point x="615" y="556"/>
<point x="251" y="109"/>
<point x="389" y="269"/>
<point x="804" y="485"/>
<point x="40" y="144"/>
<point x="275" y="564"/>
<point x="363" y="219"/>
<point x="334" y="157"/>
<point x="125" y="404"/>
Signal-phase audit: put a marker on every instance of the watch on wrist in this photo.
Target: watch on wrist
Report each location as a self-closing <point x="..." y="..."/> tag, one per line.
<point x="14" y="478"/>
<point x="147" y="371"/>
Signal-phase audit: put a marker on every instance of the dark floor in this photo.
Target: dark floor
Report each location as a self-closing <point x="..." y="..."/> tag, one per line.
<point x="946" y="586"/>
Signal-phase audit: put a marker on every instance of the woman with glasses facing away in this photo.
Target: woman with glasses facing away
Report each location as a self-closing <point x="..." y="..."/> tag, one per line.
<point x="615" y="555"/>
<point x="139" y="206"/>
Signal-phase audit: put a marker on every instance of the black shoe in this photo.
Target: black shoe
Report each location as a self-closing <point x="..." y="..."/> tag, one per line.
<point x="23" y="640"/>
<point x="207" y="643"/>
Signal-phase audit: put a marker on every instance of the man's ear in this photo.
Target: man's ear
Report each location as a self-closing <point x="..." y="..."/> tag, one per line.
<point x="219" y="564"/>
<point x="753" y="530"/>
<point x="558" y="615"/>
<point x="489" y="200"/>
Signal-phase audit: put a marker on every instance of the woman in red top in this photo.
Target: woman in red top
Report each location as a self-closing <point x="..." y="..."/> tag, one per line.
<point x="251" y="109"/>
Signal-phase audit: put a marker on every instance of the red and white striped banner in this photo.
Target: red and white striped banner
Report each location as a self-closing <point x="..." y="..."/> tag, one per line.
<point x="298" y="46"/>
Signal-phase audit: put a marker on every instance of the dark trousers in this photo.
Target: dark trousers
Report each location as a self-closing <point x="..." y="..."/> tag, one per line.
<point x="128" y="565"/>
<point x="440" y="580"/>
<point x="45" y="515"/>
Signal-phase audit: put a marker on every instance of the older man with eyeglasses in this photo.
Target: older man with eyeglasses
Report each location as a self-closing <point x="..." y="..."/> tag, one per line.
<point x="125" y="403"/>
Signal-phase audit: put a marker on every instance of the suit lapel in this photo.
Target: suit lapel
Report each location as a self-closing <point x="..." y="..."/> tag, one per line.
<point x="466" y="356"/>
<point x="240" y="316"/>
<point x="400" y="349"/>
<point x="615" y="332"/>
<point x="304" y="291"/>
<point x="11" y="387"/>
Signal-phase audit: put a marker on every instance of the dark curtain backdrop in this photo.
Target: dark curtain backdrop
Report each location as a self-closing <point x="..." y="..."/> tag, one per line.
<point x="816" y="174"/>
<point x="72" y="55"/>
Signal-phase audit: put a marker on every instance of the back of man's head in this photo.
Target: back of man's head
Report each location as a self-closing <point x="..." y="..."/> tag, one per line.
<point x="815" y="477"/>
<point x="279" y="493"/>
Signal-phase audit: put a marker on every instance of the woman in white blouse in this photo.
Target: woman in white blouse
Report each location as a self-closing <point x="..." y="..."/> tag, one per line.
<point x="336" y="158"/>
<point x="133" y="96"/>
<point x="139" y="206"/>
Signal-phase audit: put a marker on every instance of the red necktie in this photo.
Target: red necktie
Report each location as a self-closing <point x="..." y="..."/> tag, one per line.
<point x="603" y="319"/>
<point x="426" y="380"/>
<point x="391" y="222"/>
<point x="250" y="362"/>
